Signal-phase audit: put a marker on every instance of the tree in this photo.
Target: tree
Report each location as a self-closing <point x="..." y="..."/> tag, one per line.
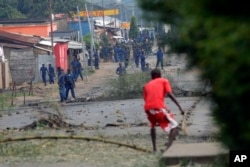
<point x="14" y="9"/>
<point x="87" y="40"/>
<point x="8" y="9"/>
<point x="215" y="36"/>
<point x="104" y="39"/>
<point x="133" y="31"/>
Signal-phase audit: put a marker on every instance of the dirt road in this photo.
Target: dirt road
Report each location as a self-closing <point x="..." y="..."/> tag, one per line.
<point x="121" y="115"/>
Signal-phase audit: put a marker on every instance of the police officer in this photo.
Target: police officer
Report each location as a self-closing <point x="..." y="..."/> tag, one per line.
<point x="142" y="56"/>
<point x="78" y="70"/>
<point x="51" y="74"/>
<point x="159" y="56"/>
<point x="96" y="60"/>
<point x="137" y="57"/>
<point x="74" y="65"/>
<point x="59" y="71"/>
<point x="69" y="84"/>
<point x="43" y="72"/>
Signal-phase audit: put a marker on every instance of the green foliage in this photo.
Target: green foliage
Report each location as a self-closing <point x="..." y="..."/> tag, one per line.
<point x="16" y="9"/>
<point x="24" y="150"/>
<point x="104" y="40"/>
<point x="127" y="86"/>
<point x="87" y="39"/>
<point x="130" y="85"/>
<point x="215" y="35"/>
<point x="4" y="100"/>
<point x="9" y="9"/>
<point x="133" y="31"/>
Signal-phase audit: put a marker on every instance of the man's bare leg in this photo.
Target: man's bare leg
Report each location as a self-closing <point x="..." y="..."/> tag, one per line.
<point x="153" y="137"/>
<point x="172" y="136"/>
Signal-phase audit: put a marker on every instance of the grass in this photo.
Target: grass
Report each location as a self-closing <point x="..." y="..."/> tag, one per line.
<point x="5" y="99"/>
<point x="90" y="72"/>
<point x="90" y="152"/>
<point x="96" y="153"/>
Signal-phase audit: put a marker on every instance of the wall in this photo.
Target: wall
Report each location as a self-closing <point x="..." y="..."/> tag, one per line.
<point x="74" y="25"/>
<point x="22" y="63"/>
<point x="30" y="29"/>
<point x="43" y="59"/>
<point x="62" y="24"/>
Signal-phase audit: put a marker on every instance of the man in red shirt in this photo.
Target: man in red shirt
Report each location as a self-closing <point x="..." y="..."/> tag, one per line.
<point x="157" y="112"/>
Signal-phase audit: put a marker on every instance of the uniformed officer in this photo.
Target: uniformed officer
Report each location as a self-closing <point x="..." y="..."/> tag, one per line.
<point x="43" y="72"/>
<point x="69" y="84"/>
<point x="51" y="74"/>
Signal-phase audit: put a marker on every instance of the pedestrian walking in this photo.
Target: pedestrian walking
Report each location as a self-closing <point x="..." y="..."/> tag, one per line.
<point x="51" y="72"/>
<point x="74" y="65"/>
<point x="143" y="63"/>
<point x="154" y="93"/>
<point x="69" y="84"/>
<point x="43" y="72"/>
<point x="159" y="60"/>
<point x="79" y="70"/>
<point x="96" y="56"/>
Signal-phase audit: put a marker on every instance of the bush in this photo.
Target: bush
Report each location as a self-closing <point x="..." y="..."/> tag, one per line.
<point x="128" y="86"/>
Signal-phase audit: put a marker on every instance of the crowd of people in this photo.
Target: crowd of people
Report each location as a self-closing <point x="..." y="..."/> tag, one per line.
<point x="50" y="71"/>
<point x="140" y="47"/>
<point x="120" y="53"/>
<point x="154" y="91"/>
<point x="66" y="83"/>
<point x="65" y="80"/>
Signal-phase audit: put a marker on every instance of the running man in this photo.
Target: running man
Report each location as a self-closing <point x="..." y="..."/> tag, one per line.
<point x="157" y="112"/>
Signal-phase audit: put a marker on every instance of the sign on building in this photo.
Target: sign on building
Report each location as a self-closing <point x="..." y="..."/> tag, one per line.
<point x="125" y="25"/>
<point x="98" y="13"/>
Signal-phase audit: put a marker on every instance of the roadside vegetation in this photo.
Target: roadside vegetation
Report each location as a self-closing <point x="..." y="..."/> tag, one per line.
<point x="213" y="34"/>
<point x="129" y="86"/>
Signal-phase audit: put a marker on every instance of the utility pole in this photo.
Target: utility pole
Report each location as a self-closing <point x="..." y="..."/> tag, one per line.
<point x="115" y="13"/>
<point x="91" y="28"/>
<point x="51" y="27"/>
<point x="103" y="18"/>
<point x="84" y="58"/>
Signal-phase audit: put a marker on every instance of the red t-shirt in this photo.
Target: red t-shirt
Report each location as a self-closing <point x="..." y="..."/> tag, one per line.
<point x="154" y="93"/>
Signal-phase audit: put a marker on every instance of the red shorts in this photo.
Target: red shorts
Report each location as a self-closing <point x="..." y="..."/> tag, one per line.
<point x="158" y="117"/>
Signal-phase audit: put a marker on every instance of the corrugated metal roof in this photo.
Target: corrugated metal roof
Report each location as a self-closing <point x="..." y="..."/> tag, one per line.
<point x="61" y="40"/>
<point x="45" y="42"/>
<point x="24" y="21"/>
<point x="71" y="44"/>
<point x="14" y="46"/>
<point x="75" y="45"/>
<point x="8" y="37"/>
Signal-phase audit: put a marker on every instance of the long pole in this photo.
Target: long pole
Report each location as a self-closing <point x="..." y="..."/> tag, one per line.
<point x="91" y="29"/>
<point x="115" y="13"/>
<point x="84" y="58"/>
<point x="51" y="27"/>
<point x="103" y="17"/>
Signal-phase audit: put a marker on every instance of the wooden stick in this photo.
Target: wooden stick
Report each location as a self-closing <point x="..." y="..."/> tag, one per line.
<point x="76" y="138"/>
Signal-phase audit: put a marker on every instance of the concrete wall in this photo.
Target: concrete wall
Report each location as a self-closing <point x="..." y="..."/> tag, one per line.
<point x="30" y="29"/>
<point x="43" y="59"/>
<point x="22" y="63"/>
